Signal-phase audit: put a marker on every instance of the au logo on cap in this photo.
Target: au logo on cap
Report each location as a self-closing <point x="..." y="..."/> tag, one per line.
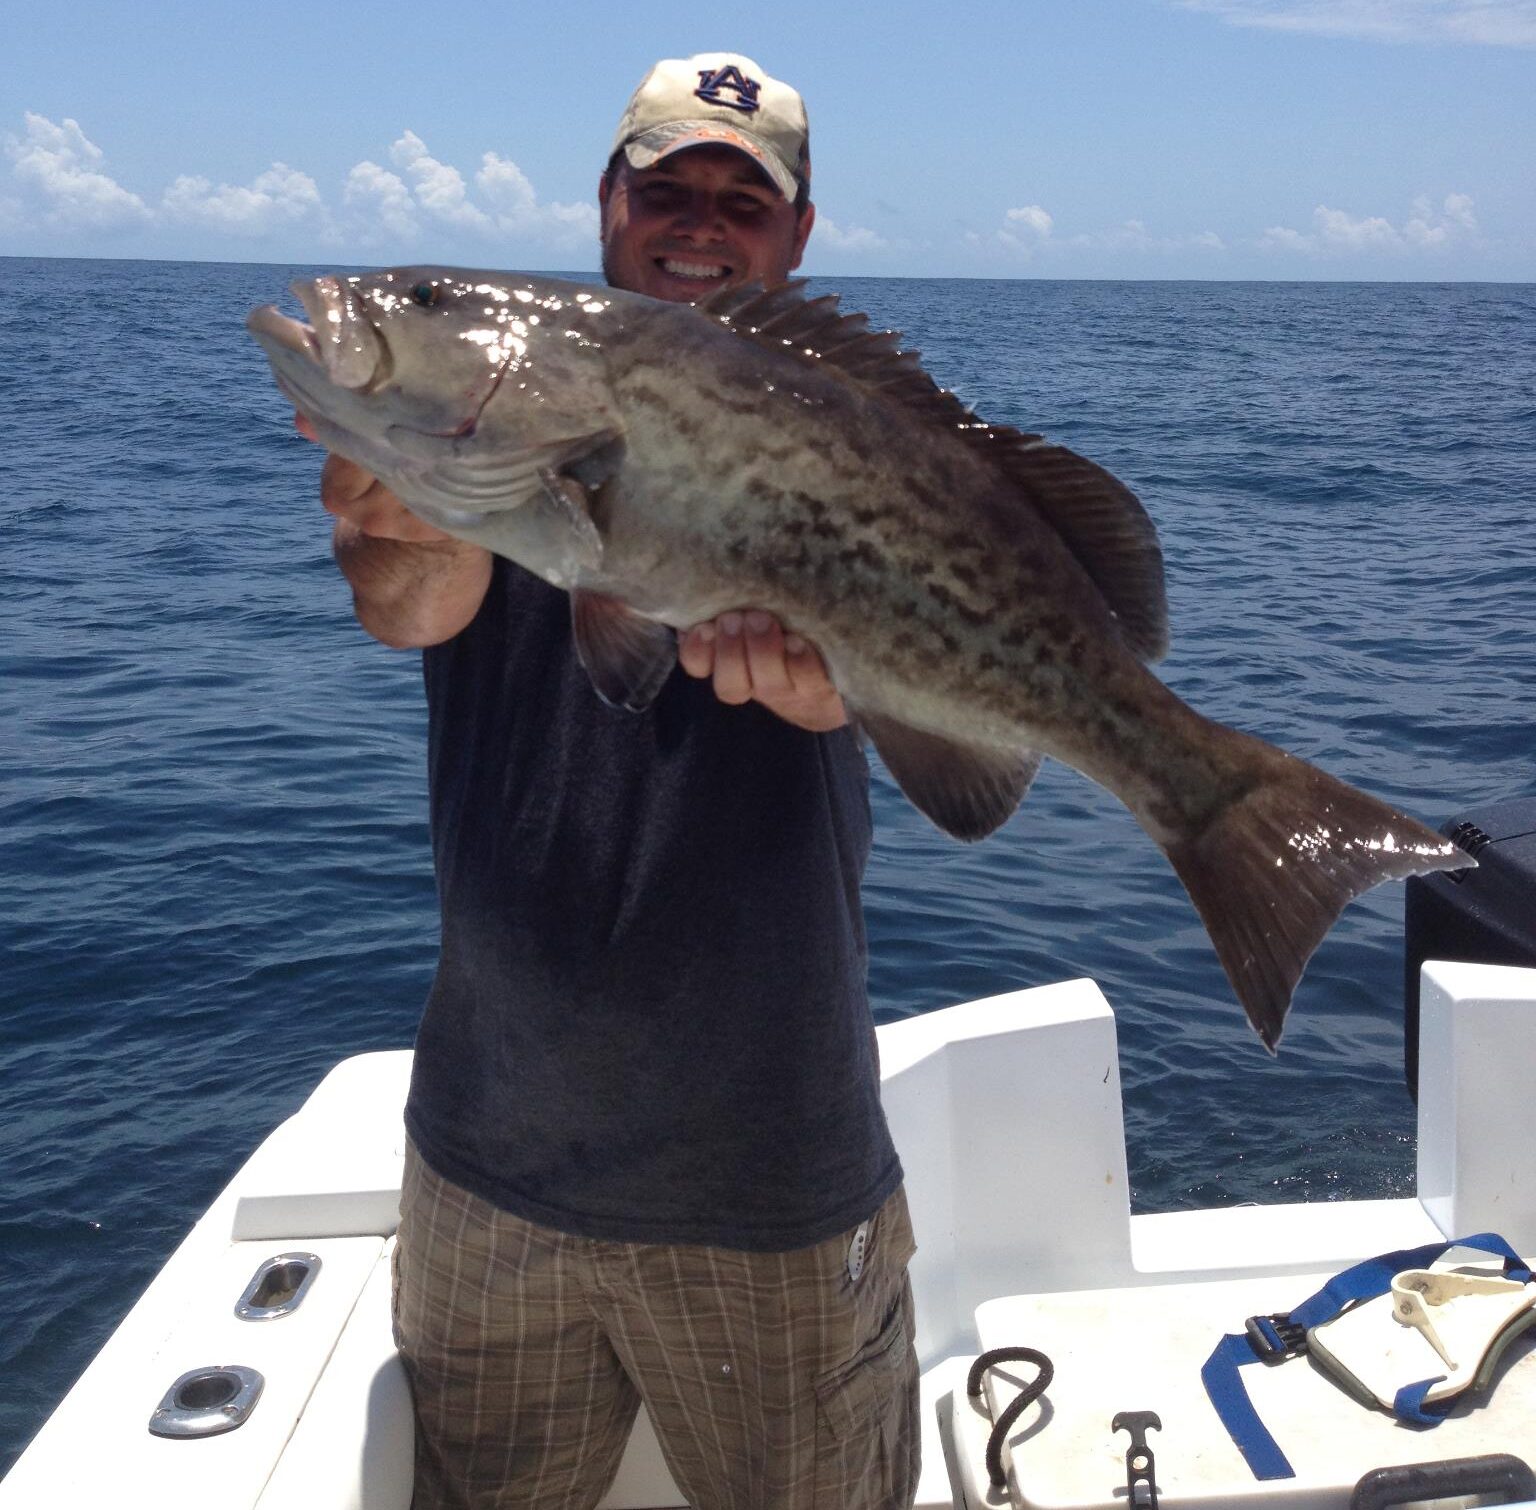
<point x="713" y="80"/>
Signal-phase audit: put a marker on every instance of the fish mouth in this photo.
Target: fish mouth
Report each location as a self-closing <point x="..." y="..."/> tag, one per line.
<point x="297" y="365"/>
<point x="340" y="340"/>
<point x="343" y="349"/>
<point x="273" y="328"/>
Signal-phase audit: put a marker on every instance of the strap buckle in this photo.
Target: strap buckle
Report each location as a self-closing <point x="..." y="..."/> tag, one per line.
<point x="1276" y="1337"/>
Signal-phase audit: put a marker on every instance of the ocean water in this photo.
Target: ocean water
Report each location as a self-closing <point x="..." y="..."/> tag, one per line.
<point x="214" y="875"/>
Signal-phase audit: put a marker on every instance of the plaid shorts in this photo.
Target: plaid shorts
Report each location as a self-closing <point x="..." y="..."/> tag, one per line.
<point x="775" y="1381"/>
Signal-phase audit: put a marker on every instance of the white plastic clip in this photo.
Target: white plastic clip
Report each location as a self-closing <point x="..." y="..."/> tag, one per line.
<point x="1471" y="1309"/>
<point x="1437" y="1327"/>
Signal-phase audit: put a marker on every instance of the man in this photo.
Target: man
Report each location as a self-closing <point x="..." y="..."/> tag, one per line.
<point x="647" y="1157"/>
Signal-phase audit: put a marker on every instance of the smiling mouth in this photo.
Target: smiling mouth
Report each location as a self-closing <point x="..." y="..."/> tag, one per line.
<point x="678" y="267"/>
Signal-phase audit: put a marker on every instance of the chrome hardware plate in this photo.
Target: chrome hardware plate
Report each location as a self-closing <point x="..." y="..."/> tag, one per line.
<point x="207" y="1401"/>
<point x="278" y="1287"/>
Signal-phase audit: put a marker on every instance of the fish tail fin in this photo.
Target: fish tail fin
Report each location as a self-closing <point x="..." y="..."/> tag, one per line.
<point x="1273" y="869"/>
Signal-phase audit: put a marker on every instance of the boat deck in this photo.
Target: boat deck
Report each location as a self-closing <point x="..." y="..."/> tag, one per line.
<point x="1037" y="1247"/>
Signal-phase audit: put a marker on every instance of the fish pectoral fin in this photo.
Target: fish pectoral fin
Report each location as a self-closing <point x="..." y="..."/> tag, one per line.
<point x="967" y="790"/>
<point x="627" y="656"/>
<point x="567" y="503"/>
<point x="550" y="488"/>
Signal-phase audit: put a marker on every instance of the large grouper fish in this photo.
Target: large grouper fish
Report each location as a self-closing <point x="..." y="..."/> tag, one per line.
<point x="981" y="598"/>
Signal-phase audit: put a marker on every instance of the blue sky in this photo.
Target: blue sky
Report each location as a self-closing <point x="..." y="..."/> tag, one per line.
<point x="1037" y="138"/>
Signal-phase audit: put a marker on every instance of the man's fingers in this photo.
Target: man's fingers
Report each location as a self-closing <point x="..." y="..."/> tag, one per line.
<point x="352" y="493"/>
<point x="343" y="482"/>
<point x="733" y="678"/>
<point x="302" y="425"/>
<point x="763" y="642"/>
<point x="696" y="650"/>
<point x="807" y="671"/>
<point x="749" y="657"/>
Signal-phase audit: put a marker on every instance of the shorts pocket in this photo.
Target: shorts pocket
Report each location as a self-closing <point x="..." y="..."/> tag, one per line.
<point x="856" y="1395"/>
<point x="867" y="1437"/>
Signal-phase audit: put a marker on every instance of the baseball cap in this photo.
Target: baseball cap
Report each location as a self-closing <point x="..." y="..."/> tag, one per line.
<point x="718" y="99"/>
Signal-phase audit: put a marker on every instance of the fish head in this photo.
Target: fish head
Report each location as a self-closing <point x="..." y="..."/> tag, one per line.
<point x="407" y="368"/>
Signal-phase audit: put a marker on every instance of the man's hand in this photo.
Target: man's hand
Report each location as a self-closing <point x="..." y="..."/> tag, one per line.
<point x="360" y="499"/>
<point x="412" y="583"/>
<point x="751" y="658"/>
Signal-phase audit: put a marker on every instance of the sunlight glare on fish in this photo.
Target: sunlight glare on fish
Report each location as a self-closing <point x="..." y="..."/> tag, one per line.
<point x="500" y="345"/>
<point x="1312" y="841"/>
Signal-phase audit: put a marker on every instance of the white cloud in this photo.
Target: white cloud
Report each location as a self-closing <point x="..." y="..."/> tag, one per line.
<point x="277" y="199"/>
<point x="1029" y="231"/>
<point x="1282" y="238"/>
<point x="506" y="187"/>
<point x="381" y="202"/>
<point x="1493" y="23"/>
<point x="1346" y="232"/>
<point x="1024" y="231"/>
<point x="507" y="190"/>
<point x="58" y="174"/>
<point x="439" y="187"/>
<point x="1133" y="236"/>
<point x="1338" y="233"/>
<point x="1030" y="219"/>
<point x="59" y="166"/>
<point x="828" y="234"/>
<point x="429" y="192"/>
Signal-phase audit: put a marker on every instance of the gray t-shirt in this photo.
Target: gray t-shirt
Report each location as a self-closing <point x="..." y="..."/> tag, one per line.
<point x="649" y="1021"/>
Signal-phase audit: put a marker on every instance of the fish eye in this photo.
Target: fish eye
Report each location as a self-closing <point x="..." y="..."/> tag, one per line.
<point x="426" y="294"/>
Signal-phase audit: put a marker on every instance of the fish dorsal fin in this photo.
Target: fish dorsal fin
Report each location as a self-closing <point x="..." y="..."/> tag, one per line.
<point x="1102" y="523"/>
<point x="1097" y="517"/>
<point x="783" y="319"/>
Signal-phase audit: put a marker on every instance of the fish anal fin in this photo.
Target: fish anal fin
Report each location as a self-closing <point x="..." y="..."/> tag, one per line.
<point x="967" y="790"/>
<point x="627" y="656"/>
<point x="1273" y="870"/>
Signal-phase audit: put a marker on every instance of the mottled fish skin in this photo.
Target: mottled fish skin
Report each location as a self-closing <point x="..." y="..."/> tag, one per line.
<point x="981" y="597"/>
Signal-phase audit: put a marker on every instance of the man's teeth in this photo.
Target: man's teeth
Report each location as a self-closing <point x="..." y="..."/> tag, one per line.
<point x="692" y="269"/>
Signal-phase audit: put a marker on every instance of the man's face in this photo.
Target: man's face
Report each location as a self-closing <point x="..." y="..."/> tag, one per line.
<point x="698" y="220"/>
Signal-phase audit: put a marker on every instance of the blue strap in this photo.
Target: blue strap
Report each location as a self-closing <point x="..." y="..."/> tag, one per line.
<point x="1225" y="1387"/>
<point x="1363" y="1281"/>
<point x="1375" y="1275"/>
<point x="1408" y="1403"/>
